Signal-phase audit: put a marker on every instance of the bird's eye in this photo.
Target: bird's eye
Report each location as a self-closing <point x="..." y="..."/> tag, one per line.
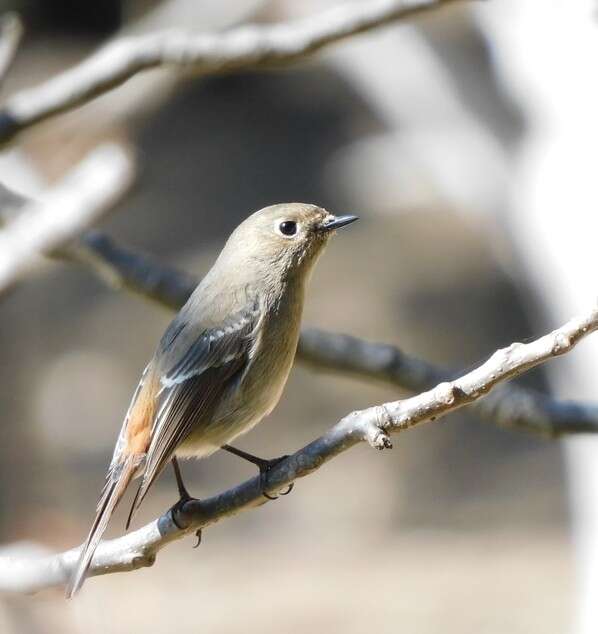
<point x="288" y="228"/>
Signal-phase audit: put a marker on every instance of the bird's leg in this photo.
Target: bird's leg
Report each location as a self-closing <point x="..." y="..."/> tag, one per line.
<point x="183" y="497"/>
<point x="263" y="465"/>
<point x="183" y="493"/>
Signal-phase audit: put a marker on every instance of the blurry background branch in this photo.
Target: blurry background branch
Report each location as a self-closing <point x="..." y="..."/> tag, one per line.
<point x="244" y="47"/>
<point x="372" y="425"/>
<point x="84" y="196"/>
<point x="11" y="31"/>
<point x="507" y="406"/>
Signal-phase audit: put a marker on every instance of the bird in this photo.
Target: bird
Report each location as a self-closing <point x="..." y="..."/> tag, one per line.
<point x="223" y="361"/>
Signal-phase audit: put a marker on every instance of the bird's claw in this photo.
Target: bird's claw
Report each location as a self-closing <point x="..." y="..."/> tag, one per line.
<point x="178" y="509"/>
<point x="263" y="491"/>
<point x="265" y="467"/>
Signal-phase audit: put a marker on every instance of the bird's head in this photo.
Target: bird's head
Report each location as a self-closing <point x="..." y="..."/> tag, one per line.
<point x="287" y="237"/>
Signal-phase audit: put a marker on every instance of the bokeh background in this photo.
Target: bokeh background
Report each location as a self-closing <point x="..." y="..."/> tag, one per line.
<point x="426" y="131"/>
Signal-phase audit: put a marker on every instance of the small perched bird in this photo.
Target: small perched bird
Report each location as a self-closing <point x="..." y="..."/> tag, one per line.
<point x="223" y="361"/>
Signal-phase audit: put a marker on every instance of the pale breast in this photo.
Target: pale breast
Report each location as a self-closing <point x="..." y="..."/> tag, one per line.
<point x="259" y="390"/>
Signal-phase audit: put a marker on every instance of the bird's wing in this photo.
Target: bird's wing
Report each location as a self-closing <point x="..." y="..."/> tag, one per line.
<point x="191" y="387"/>
<point x="120" y="449"/>
<point x="181" y="386"/>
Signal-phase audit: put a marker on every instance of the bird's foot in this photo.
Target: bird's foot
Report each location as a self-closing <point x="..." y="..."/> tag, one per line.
<point x="177" y="511"/>
<point x="265" y="466"/>
<point x="177" y="514"/>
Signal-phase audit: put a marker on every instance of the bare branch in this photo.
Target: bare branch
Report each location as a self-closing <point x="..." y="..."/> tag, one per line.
<point x="124" y="267"/>
<point x="11" y="32"/>
<point x="84" y="196"/>
<point x="373" y="425"/>
<point x="204" y="53"/>
<point x="507" y="406"/>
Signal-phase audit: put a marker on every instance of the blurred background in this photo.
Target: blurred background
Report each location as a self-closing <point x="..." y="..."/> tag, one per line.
<point x="463" y="140"/>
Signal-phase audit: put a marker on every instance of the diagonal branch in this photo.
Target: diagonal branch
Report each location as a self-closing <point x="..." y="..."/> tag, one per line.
<point x="508" y="405"/>
<point x="84" y="196"/>
<point x="372" y="425"/>
<point x="204" y="53"/>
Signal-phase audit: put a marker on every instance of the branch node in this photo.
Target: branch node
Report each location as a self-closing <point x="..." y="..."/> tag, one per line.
<point x="446" y="393"/>
<point x="375" y="434"/>
<point x="562" y="343"/>
<point x="513" y="348"/>
<point x="144" y="560"/>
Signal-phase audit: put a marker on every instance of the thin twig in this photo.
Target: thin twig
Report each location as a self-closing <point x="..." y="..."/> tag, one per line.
<point x="204" y="53"/>
<point x="373" y="425"/>
<point x="84" y="196"/>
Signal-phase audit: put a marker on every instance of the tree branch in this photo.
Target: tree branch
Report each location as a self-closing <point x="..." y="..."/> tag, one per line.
<point x="508" y="405"/>
<point x="11" y="32"/>
<point x="85" y="195"/>
<point x="373" y="425"/>
<point x="138" y="272"/>
<point x="204" y="53"/>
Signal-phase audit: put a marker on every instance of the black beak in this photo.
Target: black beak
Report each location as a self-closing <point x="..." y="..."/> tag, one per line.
<point x="337" y="222"/>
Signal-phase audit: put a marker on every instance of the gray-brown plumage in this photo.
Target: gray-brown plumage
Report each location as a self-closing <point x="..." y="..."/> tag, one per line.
<point x="222" y="363"/>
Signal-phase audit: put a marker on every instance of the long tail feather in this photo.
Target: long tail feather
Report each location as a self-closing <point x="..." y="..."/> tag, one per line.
<point x="113" y="492"/>
<point x="134" y="506"/>
<point x="142" y="491"/>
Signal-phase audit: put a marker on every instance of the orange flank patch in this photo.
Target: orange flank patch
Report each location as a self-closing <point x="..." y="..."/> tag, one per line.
<point x="141" y="418"/>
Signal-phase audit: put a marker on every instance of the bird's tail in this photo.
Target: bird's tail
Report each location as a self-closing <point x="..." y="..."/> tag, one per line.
<point x="115" y="486"/>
